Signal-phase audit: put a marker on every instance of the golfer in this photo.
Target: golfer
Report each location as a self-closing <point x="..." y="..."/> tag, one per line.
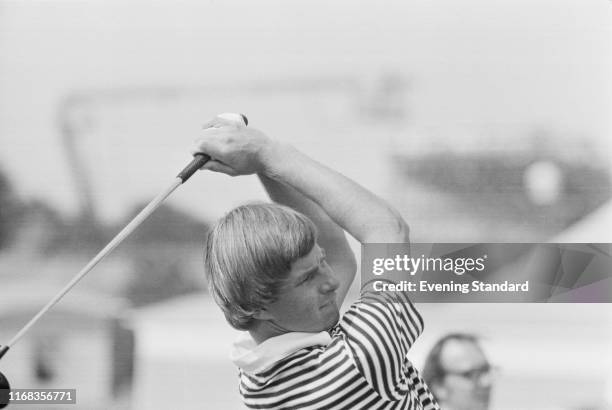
<point x="280" y="271"/>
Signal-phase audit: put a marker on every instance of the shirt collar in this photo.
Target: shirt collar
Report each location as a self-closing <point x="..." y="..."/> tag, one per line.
<point x="252" y="357"/>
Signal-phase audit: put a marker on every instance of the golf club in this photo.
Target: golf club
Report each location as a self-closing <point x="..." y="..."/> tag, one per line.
<point x="198" y="161"/>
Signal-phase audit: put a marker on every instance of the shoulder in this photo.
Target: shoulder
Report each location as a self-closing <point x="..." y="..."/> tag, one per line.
<point x="380" y="328"/>
<point x="381" y="309"/>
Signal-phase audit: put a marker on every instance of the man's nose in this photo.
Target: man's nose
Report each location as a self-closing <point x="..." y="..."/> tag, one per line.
<point x="330" y="282"/>
<point x="485" y="380"/>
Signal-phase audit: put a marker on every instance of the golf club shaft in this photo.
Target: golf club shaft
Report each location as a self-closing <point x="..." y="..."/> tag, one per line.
<point x="198" y="161"/>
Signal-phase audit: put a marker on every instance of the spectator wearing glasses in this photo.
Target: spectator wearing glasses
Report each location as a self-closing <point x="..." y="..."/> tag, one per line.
<point x="458" y="373"/>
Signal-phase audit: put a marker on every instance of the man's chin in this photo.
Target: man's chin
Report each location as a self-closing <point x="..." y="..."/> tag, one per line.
<point x="335" y="317"/>
<point x="480" y="403"/>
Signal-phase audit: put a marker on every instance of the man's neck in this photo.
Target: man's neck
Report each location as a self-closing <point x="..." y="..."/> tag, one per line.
<point x="263" y="330"/>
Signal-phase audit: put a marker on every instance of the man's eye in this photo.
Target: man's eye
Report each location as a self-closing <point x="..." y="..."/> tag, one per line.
<point x="309" y="277"/>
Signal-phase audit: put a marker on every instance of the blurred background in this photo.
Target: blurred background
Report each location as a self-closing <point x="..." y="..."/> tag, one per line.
<point x="481" y="121"/>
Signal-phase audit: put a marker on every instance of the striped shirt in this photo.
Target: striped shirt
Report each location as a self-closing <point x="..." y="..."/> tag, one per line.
<point x="359" y="364"/>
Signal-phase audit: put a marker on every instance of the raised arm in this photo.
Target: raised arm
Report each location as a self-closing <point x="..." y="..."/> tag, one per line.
<point x="240" y="150"/>
<point x="361" y="213"/>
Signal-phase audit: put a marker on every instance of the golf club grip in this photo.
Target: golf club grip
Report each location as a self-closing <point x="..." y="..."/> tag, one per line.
<point x="196" y="163"/>
<point x="200" y="159"/>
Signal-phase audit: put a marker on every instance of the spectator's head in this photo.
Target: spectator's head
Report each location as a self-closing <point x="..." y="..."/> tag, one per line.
<point x="458" y="373"/>
<point x="255" y="259"/>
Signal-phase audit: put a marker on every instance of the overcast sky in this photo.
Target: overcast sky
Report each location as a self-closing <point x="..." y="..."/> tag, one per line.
<point x="536" y="62"/>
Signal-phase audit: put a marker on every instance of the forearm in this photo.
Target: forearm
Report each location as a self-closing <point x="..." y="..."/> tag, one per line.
<point x="361" y="213"/>
<point x="240" y="150"/>
<point x="284" y="194"/>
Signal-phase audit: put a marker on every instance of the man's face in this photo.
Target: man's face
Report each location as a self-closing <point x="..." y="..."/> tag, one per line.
<point x="467" y="382"/>
<point x="307" y="301"/>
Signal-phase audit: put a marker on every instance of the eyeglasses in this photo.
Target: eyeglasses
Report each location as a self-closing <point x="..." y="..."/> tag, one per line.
<point x="476" y="375"/>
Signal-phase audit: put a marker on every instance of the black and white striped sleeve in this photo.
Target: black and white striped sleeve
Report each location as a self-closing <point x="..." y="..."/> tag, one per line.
<point x="380" y="329"/>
